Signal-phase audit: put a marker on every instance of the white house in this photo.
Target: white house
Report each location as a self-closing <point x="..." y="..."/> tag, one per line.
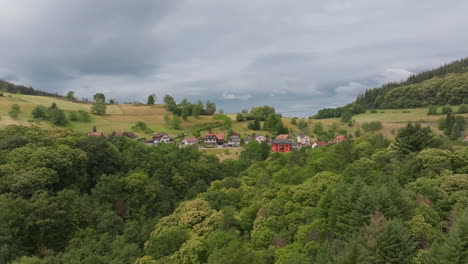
<point x="188" y="142"/>
<point x="303" y="139"/>
<point x="161" y="138"/>
<point x="234" y="140"/>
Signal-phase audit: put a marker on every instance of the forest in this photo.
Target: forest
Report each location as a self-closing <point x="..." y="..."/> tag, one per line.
<point x="20" y="89"/>
<point x="447" y="84"/>
<point x="69" y="198"/>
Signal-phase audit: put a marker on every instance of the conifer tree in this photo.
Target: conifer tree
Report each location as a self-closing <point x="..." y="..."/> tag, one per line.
<point x="395" y="244"/>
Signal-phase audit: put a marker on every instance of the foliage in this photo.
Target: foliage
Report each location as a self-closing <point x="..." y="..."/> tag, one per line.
<point x="141" y="126"/>
<point x="452" y="125"/>
<point x="15" y="110"/>
<point x="151" y="99"/>
<point x="99" y="108"/>
<point x="371" y="126"/>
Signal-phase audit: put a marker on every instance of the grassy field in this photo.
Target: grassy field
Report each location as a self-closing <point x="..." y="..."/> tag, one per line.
<point x="222" y="154"/>
<point x="123" y="117"/>
<point x="118" y="117"/>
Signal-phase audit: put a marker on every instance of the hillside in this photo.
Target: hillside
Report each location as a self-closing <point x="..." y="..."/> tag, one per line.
<point x="118" y="117"/>
<point x="447" y="84"/>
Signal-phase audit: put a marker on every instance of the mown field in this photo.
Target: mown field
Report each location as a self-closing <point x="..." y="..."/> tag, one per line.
<point x="118" y="117"/>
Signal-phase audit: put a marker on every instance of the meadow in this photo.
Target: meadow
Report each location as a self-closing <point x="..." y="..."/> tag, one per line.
<point x="122" y="117"/>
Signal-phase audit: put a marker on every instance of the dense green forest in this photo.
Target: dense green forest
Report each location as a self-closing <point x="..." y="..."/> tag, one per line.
<point x="447" y="84"/>
<point x="20" y="89"/>
<point x="364" y="201"/>
<point x="68" y="198"/>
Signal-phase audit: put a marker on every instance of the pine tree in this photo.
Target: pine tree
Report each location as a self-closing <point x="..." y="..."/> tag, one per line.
<point x="395" y="244"/>
<point x="454" y="248"/>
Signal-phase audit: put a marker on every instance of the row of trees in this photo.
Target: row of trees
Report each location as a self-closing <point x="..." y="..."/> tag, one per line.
<point x="186" y="109"/>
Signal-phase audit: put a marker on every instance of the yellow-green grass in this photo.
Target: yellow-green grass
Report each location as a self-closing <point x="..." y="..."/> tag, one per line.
<point x="224" y="153"/>
<point x="123" y="117"/>
<point x="117" y="118"/>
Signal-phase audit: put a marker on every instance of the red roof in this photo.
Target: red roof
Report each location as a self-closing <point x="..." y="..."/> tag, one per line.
<point x="218" y="136"/>
<point x="340" y="139"/>
<point x="283" y="136"/>
<point x="190" y="140"/>
<point x="321" y="143"/>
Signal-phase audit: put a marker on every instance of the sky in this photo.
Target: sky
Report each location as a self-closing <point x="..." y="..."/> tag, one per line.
<point x="298" y="56"/>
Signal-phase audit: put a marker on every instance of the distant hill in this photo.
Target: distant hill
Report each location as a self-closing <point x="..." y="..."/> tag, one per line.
<point x="447" y="84"/>
<point x="20" y="89"/>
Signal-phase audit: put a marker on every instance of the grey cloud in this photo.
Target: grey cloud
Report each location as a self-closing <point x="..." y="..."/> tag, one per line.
<point x="299" y="56"/>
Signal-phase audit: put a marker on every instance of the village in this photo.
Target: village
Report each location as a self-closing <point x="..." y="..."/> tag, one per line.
<point x="282" y="143"/>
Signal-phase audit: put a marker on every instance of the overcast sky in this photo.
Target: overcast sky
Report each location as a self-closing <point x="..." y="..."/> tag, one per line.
<point x="298" y="56"/>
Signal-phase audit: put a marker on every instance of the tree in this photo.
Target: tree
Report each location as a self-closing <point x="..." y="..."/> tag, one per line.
<point x="167" y="120"/>
<point x="462" y="109"/>
<point x="151" y="99"/>
<point x="221" y="111"/>
<point x="346" y="117"/>
<point x="254" y="125"/>
<point x="294" y="121"/>
<point x="432" y="110"/>
<point x="94" y="128"/>
<point x="302" y="124"/>
<point x="446" y="110"/>
<point x="240" y="117"/>
<point x="99" y="108"/>
<point x="210" y="108"/>
<point x="196" y="110"/>
<point x="176" y="122"/>
<point x="394" y="244"/>
<point x="71" y="95"/>
<point x="57" y="117"/>
<point x="318" y="129"/>
<point x="111" y="101"/>
<point x="15" y="110"/>
<point x="414" y="138"/>
<point x="453" y="248"/>
<point x="99" y="97"/>
<point x="40" y="112"/>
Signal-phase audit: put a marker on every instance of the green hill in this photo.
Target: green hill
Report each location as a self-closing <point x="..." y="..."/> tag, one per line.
<point x="445" y="85"/>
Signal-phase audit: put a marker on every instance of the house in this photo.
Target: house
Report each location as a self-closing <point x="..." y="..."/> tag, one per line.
<point x="303" y="139"/>
<point x="465" y="139"/>
<point x="339" y="139"/>
<point x="281" y="145"/>
<point x="282" y="136"/>
<point x="96" y="134"/>
<point x="213" y="139"/>
<point x="188" y="141"/>
<point x="261" y="139"/>
<point x="319" y="144"/>
<point x="130" y="135"/>
<point x="296" y="145"/>
<point x="234" y="140"/>
<point x="161" y="138"/>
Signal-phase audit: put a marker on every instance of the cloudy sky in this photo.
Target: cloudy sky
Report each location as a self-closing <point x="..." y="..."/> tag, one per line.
<point x="298" y="56"/>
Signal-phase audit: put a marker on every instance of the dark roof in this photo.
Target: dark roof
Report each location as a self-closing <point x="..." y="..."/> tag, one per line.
<point x="302" y="135"/>
<point x="281" y="141"/>
<point x="159" y="135"/>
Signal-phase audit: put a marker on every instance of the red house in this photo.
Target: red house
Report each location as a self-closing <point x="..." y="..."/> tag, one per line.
<point x="281" y="145"/>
